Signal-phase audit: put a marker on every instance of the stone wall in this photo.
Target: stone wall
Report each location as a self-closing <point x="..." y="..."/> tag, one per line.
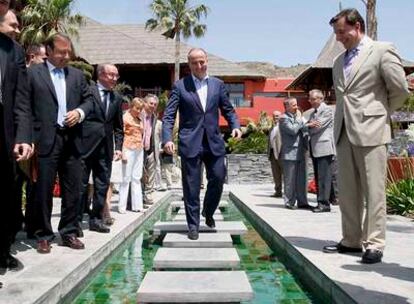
<point x="248" y="169"/>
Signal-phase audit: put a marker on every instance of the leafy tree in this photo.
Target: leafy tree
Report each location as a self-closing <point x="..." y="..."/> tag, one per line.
<point x="178" y="18"/>
<point x="43" y="18"/>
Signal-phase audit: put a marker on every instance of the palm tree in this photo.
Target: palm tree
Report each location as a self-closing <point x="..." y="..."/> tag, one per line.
<point x="43" y="18"/>
<point x="177" y="17"/>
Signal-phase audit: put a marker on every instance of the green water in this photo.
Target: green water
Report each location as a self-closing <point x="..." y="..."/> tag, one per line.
<point x="118" y="280"/>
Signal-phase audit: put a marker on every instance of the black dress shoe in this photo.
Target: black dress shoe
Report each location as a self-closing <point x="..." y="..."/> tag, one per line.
<point x="339" y="248"/>
<point x="99" y="227"/>
<point x="305" y="207"/>
<point x="193" y="234"/>
<point x="321" y="208"/>
<point x="72" y="242"/>
<point x="79" y="233"/>
<point x="291" y="207"/>
<point x="12" y="262"/>
<point x="210" y="222"/>
<point x="372" y="256"/>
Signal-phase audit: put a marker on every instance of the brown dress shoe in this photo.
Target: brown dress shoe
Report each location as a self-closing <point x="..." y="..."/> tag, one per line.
<point x="72" y="242"/>
<point x="43" y="246"/>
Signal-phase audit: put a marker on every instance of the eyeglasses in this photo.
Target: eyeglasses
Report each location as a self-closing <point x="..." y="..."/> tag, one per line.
<point x="5" y="2"/>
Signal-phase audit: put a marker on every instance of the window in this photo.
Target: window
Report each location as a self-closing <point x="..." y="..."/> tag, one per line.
<point x="236" y="92"/>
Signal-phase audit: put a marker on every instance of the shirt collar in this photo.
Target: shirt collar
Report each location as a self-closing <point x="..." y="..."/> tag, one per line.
<point x="196" y="80"/>
<point x="50" y="66"/>
<point x="101" y="87"/>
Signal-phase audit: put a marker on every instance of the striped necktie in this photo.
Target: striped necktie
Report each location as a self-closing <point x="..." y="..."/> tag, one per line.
<point x="349" y="59"/>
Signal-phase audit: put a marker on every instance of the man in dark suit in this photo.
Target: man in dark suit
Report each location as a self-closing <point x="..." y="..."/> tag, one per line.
<point x="15" y="135"/>
<point x="198" y="98"/>
<point x="60" y="99"/>
<point x="99" y="129"/>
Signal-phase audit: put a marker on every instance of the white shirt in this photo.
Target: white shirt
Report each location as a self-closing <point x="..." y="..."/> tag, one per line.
<point x="201" y="87"/>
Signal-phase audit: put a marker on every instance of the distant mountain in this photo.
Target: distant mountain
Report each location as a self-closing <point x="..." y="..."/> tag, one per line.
<point x="274" y="71"/>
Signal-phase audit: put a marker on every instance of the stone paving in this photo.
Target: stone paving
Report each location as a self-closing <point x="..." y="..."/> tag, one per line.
<point x="389" y="282"/>
<point x="48" y="278"/>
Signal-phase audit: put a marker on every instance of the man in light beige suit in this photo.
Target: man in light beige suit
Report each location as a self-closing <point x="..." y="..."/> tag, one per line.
<point x="273" y="150"/>
<point x="370" y="84"/>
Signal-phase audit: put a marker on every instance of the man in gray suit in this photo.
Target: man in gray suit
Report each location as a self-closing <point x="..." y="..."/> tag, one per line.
<point x="370" y="84"/>
<point x="292" y="128"/>
<point x="322" y="147"/>
<point x="273" y="151"/>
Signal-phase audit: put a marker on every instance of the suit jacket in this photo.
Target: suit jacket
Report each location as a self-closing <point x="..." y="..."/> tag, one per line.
<point x="45" y="105"/>
<point x="274" y="144"/>
<point x="375" y="88"/>
<point x="293" y="139"/>
<point x="17" y="113"/>
<point x="99" y="125"/>
<point x="321" y="139"/>
<point x="194" y="122"/>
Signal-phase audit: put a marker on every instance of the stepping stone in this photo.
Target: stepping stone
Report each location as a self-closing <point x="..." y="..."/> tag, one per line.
<point x="180" y="204"/>
<point x="183" y="258"/>
<point x="195" y="286"/>
<point x="181" y="217"/>
<point x="182" y="211"/>
<point x="232" y="227"/>
<point x="205" y="240"/>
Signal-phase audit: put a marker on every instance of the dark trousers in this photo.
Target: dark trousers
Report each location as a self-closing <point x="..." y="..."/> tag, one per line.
<point x="277" y="168"/>
<point x="191" y="171"/>
<point x="294" y="182"/>
<point x="99" y="163"/>
<point x="323" y="178"/>
<point x="64" y="160"/>
<point x="8" y="192"/>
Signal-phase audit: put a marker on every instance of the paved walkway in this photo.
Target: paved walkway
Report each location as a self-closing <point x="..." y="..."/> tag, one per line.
<point x="45" y="278"/>
<point x="390" y="282"/>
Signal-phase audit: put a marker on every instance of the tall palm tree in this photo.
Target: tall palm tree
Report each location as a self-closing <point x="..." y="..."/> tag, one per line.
<point x="43" y="18"/>
<point x="177" y="17"/>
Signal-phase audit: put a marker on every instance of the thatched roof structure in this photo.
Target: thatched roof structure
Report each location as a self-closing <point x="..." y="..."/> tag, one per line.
<point x="134" y="45"/>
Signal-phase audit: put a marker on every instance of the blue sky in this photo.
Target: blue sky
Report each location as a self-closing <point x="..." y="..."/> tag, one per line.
<point x="277" y="31"/>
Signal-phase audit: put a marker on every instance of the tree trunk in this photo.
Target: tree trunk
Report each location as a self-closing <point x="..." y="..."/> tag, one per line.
<point x="371" y="19"/>
<point x="177" y="56"/>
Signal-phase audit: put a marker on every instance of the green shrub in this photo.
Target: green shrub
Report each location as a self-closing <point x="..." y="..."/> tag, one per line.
<point x="400" y="197"/>
<point x="254" y="143"/>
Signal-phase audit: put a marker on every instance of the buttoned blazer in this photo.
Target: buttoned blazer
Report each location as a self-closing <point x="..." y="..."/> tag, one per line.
<point x="276" y="145"/>
<point x="45" y="105"/>
<point x="292" y="132"/>
<point x="99" y="125"/>
<point x="194" y="122"/>
<point x="321" y="139"/>
<point x="17" y="114"/>
<point x="375" y="88"/>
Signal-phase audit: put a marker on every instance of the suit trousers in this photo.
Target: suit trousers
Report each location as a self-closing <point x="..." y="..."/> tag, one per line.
<point x="149" y="172"/>
<point x="131" y="175"/>
<point x="294" y="180"/>
<point x="99" y="163"/>
<point x="191" y="170"/>
<point x="276" y="165"/>
<point x="64" y="160"/>
<point x="361" y="177"/>
<point x="7" y="190"/>
<point x="323" y="177"/>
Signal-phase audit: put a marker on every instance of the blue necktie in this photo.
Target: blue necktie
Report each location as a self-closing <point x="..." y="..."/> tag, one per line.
<point x="59" y="83"/>
<point x="349" y="60"/>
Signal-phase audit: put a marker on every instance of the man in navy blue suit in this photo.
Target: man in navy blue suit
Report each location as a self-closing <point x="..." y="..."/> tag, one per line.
<point x="199" y="98"/>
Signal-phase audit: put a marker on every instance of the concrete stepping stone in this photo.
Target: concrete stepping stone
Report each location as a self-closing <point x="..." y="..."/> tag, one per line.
<point x="180" y="204"/>
<point x="195" y="287"/>
<point x="231" y="227"/>
<point x="184" y="258"/>
<point x="182" y="211"/>
<point x="181" y="217"/>
<point x="205" y="240"/>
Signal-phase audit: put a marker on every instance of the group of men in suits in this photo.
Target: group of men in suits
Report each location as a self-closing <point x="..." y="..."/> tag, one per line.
<point x="73" y="127"/>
